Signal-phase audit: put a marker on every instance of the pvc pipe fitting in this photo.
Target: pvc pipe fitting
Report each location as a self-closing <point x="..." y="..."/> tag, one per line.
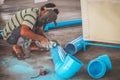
<point x="66" y="66"/>
<point x="1" y="33"/>
<point x="69" y="67"/>
<point x="74" y="46"/>
<point x="106" y="59"/>
<point x="63" y="24"/>
<point x="58" y="54"/>
<point x="97" y="68"/>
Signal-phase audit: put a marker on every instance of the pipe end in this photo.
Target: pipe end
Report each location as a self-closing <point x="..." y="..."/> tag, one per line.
<point x="70" y="48"/>
<point x="96" y="68"/>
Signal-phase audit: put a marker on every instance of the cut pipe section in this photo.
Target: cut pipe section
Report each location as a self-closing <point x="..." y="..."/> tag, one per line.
<point x="66" y="66"/>
<point x="74" y="46"/>
<point x="63" y="24"/>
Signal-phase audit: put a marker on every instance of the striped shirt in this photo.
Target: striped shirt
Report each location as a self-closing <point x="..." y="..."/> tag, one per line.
<point x="27" y="17"/>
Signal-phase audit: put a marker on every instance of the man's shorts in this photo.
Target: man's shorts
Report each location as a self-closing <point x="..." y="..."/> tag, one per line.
<point x="14" y="36"/>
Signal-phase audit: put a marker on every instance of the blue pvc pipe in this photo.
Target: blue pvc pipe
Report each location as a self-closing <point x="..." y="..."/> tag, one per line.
<point x="97" y="67"/>
<point x="106" y="59"/>
<point x="63" y="24"/>
<point x="102" y="45"/>
<point x="90" y="43"/>
<point x="69" y="67"/>
<point x="74" y="46"/>
<point x="58" y="54"/>
<point x="66" y="66"/>
<point x="1" y="33"/>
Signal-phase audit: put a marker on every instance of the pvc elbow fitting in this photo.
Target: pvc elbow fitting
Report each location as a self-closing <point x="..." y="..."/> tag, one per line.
<point x="69" y="67"/>
<point x="97" y="68"/>
<point x="106" y="59"/>
<point x="66" y="66"/>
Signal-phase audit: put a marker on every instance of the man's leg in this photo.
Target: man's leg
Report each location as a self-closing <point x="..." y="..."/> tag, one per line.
<point x="17" y="49"/>
<point x="17" y="52"/>
<point x="13" y="39"/>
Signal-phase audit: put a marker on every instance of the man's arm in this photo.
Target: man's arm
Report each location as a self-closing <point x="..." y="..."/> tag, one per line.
<point x="40" y="32"/>
<point x="25" y="31"/>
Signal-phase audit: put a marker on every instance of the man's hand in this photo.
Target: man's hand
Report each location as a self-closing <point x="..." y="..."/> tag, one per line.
<point x="44" y="42"/>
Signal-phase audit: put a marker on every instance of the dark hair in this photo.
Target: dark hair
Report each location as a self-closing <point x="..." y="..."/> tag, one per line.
<point x="56" y="11"/>
<point x="50" y="5"/>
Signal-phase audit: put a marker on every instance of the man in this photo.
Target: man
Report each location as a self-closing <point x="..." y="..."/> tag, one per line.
<point x="27" y="24"/>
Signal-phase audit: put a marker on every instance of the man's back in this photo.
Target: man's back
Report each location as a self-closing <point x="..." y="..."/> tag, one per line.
<point x="27" y="17"/>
